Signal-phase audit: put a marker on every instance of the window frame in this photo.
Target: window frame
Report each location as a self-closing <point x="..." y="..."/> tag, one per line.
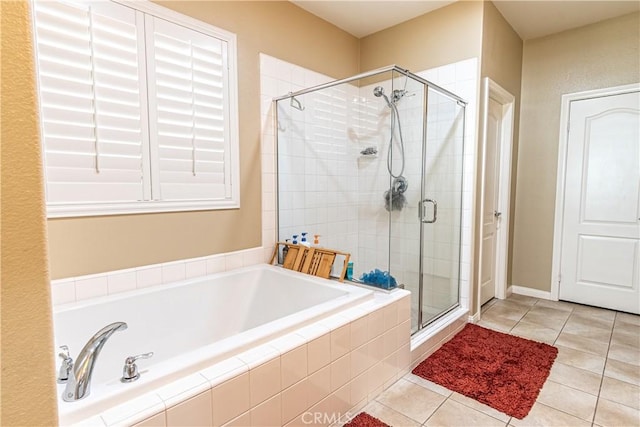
<point x="86" y="209"/>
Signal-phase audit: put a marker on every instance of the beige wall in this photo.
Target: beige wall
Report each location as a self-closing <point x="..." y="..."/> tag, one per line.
<point x="502" y="62"/>
<point x="595" y="56"/>
<point x="81" y="246"/>
<point x="438" y="38"/>
<point x="28" y="388"/>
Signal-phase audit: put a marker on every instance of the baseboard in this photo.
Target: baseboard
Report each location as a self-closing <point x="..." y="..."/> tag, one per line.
<point x="529" y="292"/>
<point x="475" y="318"/>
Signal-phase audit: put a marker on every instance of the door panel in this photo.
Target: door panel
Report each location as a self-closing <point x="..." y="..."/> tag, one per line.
<point x="610" y="160"/>
<point x="440" y="207"/>
<point x="490" y="217"/>
<point x="600" y="258"/>
<point x="607" y="261"/>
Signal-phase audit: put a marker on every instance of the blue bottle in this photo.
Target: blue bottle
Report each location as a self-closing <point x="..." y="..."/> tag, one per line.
<point x="350" y="270"/>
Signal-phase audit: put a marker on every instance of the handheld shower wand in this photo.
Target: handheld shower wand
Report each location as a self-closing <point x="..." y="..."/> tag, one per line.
<point x="394" y="198"/>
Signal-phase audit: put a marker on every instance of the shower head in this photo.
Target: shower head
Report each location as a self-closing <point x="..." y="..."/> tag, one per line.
<point x="378" y="91"/>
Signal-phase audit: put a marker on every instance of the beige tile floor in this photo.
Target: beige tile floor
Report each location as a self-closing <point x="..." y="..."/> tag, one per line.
<point x="595" y="381"/>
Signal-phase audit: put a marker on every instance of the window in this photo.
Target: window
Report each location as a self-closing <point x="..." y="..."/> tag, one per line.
<point x="138" y="109"/>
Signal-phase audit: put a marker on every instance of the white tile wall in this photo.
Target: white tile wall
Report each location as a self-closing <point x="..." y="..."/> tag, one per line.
<point x="317" y="170"/>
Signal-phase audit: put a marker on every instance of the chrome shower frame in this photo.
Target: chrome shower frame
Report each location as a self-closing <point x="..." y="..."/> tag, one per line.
<point x="371" y="73"/>
<point x="395" y="96"/>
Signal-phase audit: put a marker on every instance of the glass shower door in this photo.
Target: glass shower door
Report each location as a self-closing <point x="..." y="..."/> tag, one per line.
<point x="440" y="207"/>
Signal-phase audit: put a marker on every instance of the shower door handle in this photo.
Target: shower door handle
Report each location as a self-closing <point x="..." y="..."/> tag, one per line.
<point x="422" y="211"/>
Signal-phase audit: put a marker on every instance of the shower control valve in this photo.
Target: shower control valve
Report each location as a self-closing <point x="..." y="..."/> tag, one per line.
<point x="130" y="370"/>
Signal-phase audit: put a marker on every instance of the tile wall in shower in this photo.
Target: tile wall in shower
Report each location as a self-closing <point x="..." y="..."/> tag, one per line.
<point x="330" y="189"/>
<point x="316" y="168"/>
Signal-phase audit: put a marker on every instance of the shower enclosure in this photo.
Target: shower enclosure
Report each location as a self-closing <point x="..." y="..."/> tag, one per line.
<point x="372" y="165"/>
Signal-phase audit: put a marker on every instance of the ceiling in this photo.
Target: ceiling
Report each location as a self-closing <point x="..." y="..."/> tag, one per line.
<point x="530" y="19"/>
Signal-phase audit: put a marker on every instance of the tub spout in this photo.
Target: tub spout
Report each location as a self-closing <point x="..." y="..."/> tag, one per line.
<point x="79" y="383"/>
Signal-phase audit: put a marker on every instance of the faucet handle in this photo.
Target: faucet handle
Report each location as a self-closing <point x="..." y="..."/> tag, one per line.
<point x="65" y="366"/>
<point x="130" y="370"/>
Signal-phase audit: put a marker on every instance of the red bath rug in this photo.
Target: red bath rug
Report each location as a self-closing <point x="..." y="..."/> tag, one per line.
<point x="365" y="420"/>
<point x="499" y="370"/>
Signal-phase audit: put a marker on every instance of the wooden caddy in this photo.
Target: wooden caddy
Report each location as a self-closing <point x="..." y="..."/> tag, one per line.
<point x="313" y="261"/>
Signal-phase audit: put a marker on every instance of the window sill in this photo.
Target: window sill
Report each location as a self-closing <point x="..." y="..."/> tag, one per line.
<point x="103" y="209"/>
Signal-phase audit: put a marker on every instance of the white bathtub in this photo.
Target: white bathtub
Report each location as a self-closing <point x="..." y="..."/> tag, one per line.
<point x="191" y="325"/>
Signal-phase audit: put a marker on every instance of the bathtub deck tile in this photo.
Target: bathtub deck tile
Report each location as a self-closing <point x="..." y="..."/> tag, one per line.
<point x="182" y="389"/>
<point x="288" y="342"/>
<point x="96" y="421"/>
<point x="148" y="276"/>
<point x="335" y="322"/>
<point x="259" y="355"/>
<point x="96" y="286"/>
<point x="215" y="264"/>
<point x="313" y="331"/>
<point x="173" y="271"/>
<point x="158" y="420"/>
<point x="233" y="260"/>
<point x="135" y="410"/>
<point x="63" y="292"/>
<point x="224" y="371"/>
<point x="355" y="313"/>
<point x="196" y="268"/>
<point x="124" y="281"/>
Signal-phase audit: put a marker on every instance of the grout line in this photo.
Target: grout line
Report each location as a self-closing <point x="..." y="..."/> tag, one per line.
<point x="562" y="328"/>
<point x="436" y="410"/>
<point x="484" y="413"/>
<point x="606" y="359"/>
<point x="394" y="410"/>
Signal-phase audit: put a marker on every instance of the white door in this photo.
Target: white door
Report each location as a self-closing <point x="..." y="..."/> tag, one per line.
<point x="600" y="259"/>
<point x="490" y="213"/>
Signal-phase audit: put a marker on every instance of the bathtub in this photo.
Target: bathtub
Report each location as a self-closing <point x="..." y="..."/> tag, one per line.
<point x="191" y="325"/>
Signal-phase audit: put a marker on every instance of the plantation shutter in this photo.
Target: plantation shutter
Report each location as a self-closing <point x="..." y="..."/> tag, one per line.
<point x="90" y="82"/>
<point x="188" y="109"/>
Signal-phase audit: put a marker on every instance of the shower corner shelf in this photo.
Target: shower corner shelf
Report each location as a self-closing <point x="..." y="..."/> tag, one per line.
<point x="311" y="260"/>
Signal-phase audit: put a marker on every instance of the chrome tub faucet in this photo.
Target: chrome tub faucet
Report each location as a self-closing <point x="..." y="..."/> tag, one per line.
<point x="79" y="373"/>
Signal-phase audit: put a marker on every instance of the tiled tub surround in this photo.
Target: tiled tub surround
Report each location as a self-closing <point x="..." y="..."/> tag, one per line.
<point x="331" y="365"/>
